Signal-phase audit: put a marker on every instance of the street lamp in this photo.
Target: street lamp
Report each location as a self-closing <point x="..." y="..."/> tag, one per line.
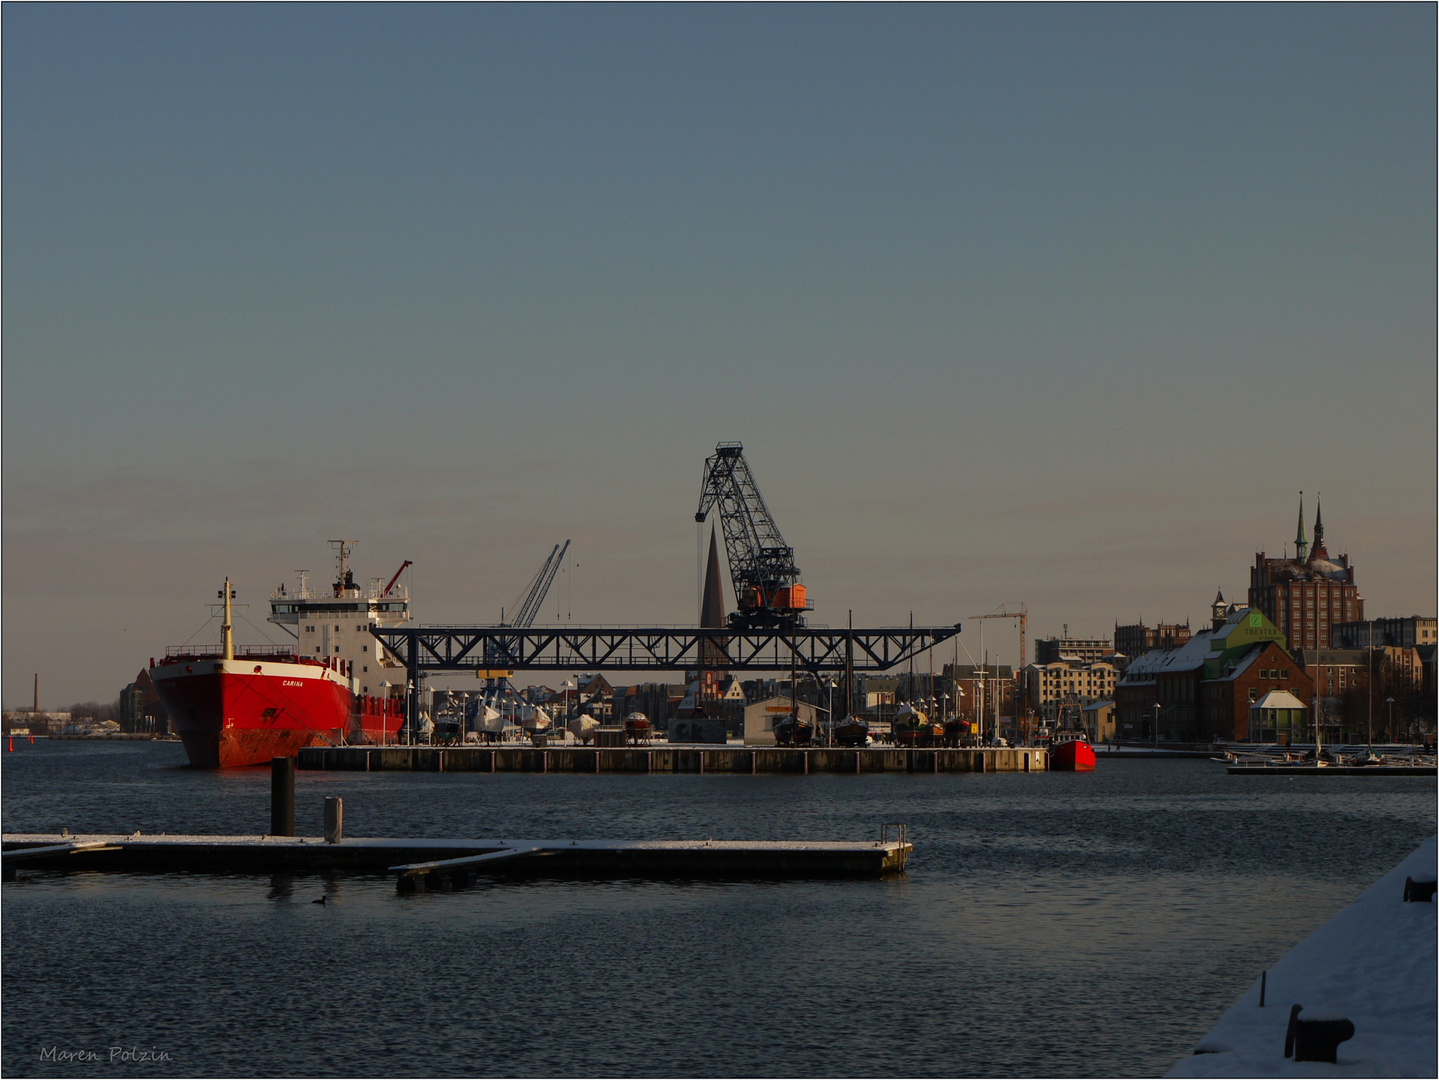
<point x="1156" y="725"/>
<point x="384" y="709"/>
<point x="829" y="740"/>
<point x="1390" y="702"/>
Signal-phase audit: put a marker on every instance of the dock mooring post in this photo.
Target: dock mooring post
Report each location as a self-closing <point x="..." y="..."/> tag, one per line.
<point x="282" y="796"/>
<point x="334" y="819"/>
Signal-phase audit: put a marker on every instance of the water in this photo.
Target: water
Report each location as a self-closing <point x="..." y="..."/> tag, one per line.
<point x="1050" y="924"/>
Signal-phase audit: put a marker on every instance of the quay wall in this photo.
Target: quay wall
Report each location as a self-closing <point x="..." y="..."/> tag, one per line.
<point x="670" y="759"/>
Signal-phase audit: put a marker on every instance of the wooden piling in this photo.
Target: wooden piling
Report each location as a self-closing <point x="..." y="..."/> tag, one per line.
<point x="282" y="796"/>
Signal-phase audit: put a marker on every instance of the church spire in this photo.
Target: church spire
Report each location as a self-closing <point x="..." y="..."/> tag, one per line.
<point x="1318" y="551"/>
<point x="712" y="614"/>
<point x="1301" y="545"/>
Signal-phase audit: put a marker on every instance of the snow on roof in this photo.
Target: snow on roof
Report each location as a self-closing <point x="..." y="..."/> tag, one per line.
<point x="1187" y="657"/>
<point x="1242" y="664"/>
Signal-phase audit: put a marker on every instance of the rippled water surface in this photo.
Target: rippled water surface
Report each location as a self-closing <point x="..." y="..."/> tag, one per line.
<point x="1056" y="924"/>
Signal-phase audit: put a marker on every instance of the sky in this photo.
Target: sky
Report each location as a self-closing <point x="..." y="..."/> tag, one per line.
<point x="1052" y="305"/>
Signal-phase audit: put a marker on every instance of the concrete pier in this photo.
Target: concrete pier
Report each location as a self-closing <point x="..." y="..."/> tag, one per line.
<point x="714" y="860"/>
<point x="666" y="758"/>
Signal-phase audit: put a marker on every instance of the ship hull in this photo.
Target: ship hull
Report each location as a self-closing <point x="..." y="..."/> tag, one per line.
<point x="1075" y="755"/>
<point x="231" y="714"/>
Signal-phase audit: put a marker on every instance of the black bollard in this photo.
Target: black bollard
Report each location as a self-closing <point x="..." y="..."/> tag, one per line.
<point x="1418" y="891"/>
<point x="1317" y="1038"/>
<point x="282" y="796"/>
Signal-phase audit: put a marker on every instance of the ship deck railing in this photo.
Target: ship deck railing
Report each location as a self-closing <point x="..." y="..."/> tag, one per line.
<point x="242" y="652"/>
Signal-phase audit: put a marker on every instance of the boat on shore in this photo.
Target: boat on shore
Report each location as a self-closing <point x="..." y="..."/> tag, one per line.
<point x="234" y="706"/>
<point x="637" y="727"/>
<point x="793" y="731"/>
<point x="583" y="728"/>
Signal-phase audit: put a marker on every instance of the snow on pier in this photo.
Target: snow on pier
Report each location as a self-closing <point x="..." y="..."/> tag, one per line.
<point x="1374" y="963"/>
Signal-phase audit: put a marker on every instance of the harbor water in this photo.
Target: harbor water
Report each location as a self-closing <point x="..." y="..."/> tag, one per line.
<point x="1056" y="924"/>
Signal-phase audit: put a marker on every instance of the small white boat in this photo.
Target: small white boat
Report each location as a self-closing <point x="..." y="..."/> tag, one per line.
<point x="583" y="727"/>
<point x="536" y="719"/>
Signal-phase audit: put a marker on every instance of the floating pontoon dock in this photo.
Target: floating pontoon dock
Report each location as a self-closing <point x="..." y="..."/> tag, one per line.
<point x="458" y="860"/>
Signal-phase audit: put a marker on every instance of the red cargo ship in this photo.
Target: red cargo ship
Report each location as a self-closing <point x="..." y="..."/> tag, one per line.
<point x="234" y="707"/>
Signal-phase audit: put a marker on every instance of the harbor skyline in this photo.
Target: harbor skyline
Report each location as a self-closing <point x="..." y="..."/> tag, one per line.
<point x="1061" y="307"/>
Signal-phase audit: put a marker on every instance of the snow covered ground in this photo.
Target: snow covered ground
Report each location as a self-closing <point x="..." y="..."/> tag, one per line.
<point x="1375" y="962"/>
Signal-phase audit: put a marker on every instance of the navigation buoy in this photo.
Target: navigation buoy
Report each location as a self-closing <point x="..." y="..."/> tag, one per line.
<point x="12" y="744"/>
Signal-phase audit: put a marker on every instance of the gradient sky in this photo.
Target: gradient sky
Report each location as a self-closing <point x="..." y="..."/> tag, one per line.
<point x="1042" y="304"/>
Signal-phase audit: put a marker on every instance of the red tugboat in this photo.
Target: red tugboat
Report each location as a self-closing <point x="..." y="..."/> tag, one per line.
<point x="243" y="706"/>
<point x="1071" y="752"/>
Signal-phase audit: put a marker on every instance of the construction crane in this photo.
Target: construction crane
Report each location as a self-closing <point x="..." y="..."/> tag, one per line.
<point x="761" y="565"/>
<point x="494" y="673"/>
<point x="1020" y="612"/>
<point x="538" y="587"/>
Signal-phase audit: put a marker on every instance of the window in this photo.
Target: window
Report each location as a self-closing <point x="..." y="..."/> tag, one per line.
<point x="366" y="667"/>
<point x="1253" y="693"/>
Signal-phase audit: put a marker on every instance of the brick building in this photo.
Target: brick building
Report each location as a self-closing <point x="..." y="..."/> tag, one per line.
<point x="1406" y="632"/>
<point x="1242" y="682"/>
<point x="1070" y="650"/>
<point x="1203" y="690"/>
<point x="1136" y="639"/>
<point x="1054" y="686"/>
<point x="1306" y="596"/>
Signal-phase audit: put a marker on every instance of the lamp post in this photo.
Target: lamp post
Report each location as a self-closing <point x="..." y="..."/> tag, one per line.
<point x="384" y="709"/>
<point x="829" y="737"/>
<point x="1390" y="702"/>
<point x="1156" y="725"/>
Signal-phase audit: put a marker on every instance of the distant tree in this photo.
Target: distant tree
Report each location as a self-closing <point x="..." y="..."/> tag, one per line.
<point x="1411" y="702"/>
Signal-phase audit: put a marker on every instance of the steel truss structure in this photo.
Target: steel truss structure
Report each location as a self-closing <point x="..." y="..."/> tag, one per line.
<point x="761" y="564"/>
<point x="426" y="649"/>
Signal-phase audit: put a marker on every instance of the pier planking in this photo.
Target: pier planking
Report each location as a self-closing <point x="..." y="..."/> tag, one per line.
<point x="670" y="759"/>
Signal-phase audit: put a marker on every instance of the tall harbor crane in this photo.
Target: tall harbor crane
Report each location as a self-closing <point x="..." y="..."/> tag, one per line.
<point x="538" y="587"/>
<point x="495" y="673"/>
<point x="761" y="565"/>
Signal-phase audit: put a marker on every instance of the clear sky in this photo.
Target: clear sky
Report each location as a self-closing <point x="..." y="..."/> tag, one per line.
<point x="1060" y="305"/>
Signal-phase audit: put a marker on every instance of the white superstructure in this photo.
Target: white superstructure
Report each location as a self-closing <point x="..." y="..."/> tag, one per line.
<point x="336" y="625"/>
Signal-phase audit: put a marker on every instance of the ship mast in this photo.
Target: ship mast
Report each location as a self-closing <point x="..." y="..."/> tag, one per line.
<point x="342" y="552"/>
<point x="227" y="631"/>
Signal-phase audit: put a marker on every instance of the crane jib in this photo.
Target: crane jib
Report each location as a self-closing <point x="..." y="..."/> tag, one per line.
<point x="762" y="567"/>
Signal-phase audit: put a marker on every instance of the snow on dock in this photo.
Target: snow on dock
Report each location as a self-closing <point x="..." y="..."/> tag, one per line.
<point x="1374" y="963"/>
<point x="715" y="860"/>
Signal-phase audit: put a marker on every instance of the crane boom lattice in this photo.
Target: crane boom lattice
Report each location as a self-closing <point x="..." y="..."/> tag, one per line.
<point x="540" y="586"/>
<point x="762" y="568"/>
